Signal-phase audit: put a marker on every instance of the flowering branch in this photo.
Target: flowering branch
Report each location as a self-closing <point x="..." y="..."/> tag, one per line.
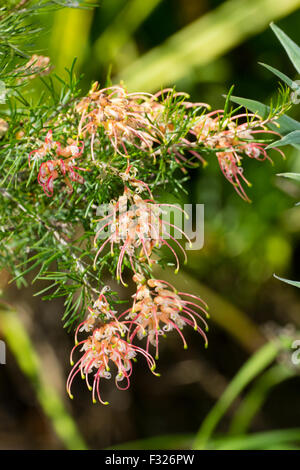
<point x="67" y="155"/>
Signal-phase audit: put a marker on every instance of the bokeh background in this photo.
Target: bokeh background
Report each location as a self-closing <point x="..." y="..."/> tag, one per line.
<point x="202" y="47"/>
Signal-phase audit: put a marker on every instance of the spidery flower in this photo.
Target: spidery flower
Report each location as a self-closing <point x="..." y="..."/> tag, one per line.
<point x="234" y="141"/>
<point x="47" y="146"/>
<point x="51" y="169"/>
<point x="121" y="115"/>
<point x="158" y="308"/>
<point x="105" y="351"/>
<point x="136" y="227"/>
<point x="38" y="65"/>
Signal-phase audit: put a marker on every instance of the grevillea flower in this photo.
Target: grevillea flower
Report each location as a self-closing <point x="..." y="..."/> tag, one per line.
<point x="45" y="148"/>
<point x="139" y="119"/>
<point x="52" y="169"/>
<point x="235" y="141"/>
<point x="233" y="172"/>
<point x="136" y="226"/>
<point x="104" y="349"/>
<point x="121" y="115"/>
<point x="100" y="311"/>
<point x="158" y="308"/>
<point x="37" y="65"/>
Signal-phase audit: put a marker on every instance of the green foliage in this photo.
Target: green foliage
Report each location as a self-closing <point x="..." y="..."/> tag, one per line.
<point x="293" y="138"/>
<point x="285" y="123"/>
<point x="290" y="129"/>
<point x="293" y="85"/>
<point x="293" y="176"/>
<point x="258" y="362"/>
<point x="290" y="46"/>
<point x="237" y="439"/>
<point x="288" y="281"/>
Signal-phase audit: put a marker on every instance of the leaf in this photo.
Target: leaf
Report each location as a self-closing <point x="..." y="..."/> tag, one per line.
<point x="291" y="48"/>
<point x="293" y="176"/>
<point x="290" y="139"/>
<point x="282" y="76"/>
<point x="286" y="123"/>
<point x="288" y="281"/>
<point x="226" y="106"/>
<point x="256" y="397"/>
<point x="253" y="367"/>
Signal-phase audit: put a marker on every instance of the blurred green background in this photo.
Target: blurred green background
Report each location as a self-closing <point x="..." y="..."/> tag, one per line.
<point x="202" y="47"/>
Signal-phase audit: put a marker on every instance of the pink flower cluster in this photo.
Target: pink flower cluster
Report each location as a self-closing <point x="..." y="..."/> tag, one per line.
<point x="108" y="347"/>
<point x="50" y="170"/>
<point x="231" y="140"/>
<point x="136" y="228"/>
<point x="164" y="126"/>
<point x="143" y="121"/>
